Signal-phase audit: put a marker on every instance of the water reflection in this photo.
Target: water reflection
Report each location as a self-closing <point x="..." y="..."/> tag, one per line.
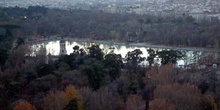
<point x="53" y="47"/>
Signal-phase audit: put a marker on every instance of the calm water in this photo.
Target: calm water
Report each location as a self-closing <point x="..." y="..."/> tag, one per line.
<point x="53" y="47"/>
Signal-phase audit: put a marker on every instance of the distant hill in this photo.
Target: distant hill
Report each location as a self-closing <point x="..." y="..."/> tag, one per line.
<point x="68" y="4"/>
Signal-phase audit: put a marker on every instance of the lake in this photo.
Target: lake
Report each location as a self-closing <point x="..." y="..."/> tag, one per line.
<point x="53" y="47"/>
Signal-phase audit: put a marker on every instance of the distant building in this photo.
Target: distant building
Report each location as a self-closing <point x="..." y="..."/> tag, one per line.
<point x="200" y="17"/>
<point x="110" y="9"/>
<point x="63" y="47"/>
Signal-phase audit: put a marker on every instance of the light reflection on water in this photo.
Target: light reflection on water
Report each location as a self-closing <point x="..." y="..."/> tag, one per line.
<point x="53" y="47"/>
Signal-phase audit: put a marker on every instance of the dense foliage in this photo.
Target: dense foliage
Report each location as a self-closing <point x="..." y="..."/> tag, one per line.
<point x="91" y="80"/>
<point x="174" y="29"/>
